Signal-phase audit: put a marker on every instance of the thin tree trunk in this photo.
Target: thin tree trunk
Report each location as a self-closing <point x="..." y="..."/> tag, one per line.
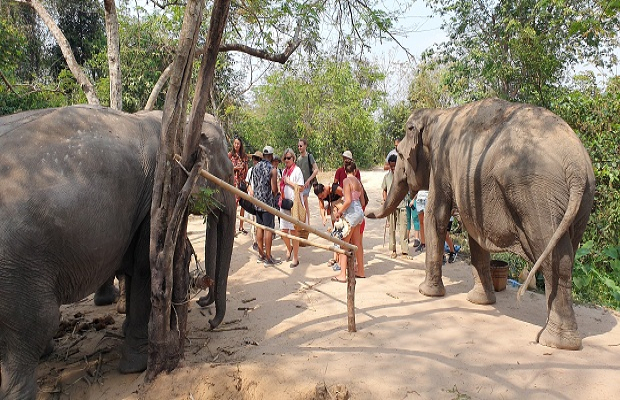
<point x="114" y="55"/>
<point x="219" y="15"/>
<point x="65" y="47"/>
<point x="157" y="88"/>
<point x="169" y="267"/>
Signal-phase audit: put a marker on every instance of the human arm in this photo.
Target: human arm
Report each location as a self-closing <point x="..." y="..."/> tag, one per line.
<point x="322" y="211"/>
<point x="274" y="181"/>
<point x="347" y="199"/>
<point x="315" y="170"/>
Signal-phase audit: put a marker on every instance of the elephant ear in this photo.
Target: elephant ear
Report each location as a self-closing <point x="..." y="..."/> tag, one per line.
<point x="413" y="132"/>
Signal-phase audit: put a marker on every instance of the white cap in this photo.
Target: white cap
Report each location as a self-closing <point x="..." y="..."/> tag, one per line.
<point x="268" y="150"/>
<point x="348" y="154"/>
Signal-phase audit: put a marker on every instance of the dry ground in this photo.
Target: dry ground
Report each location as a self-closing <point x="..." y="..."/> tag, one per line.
<point x="287" y="336"/>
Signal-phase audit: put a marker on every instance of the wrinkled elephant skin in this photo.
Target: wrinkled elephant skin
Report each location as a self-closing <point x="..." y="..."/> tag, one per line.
<point x="74" y="210"/>
<point x="522" y="182"/>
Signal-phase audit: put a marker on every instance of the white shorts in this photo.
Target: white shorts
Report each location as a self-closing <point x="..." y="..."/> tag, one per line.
<point x="420" y="200"/>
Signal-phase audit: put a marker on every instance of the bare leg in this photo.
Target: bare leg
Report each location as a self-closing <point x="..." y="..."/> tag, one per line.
<point x="307" y="209"/>
<point x="357" y="239"/>
<point x="295" y="247"/>
<point x="268" y="242"/>
<point x="287" y="243"/>
<point x="260" y="233"/>
<point x="342" y="259"/>
<point x="242" y="213"/>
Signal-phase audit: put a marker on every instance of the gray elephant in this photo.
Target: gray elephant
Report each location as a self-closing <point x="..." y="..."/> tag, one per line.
<point x="74" y="210"/>
<point x="220" y="230"/>
<point x="522" y="182"/>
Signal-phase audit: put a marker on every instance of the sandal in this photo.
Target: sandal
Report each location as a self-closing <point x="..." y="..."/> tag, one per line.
<point x="360" y="277"/>
<point x="241" y="230"/>
<point x="331" y="262"/>
<point x="293" y="265"/>
<point x="335" y="279"/>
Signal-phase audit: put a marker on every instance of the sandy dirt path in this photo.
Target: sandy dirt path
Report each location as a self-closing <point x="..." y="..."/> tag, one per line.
<point x="288" y="335"/>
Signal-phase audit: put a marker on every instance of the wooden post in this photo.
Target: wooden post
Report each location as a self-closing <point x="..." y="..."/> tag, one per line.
<point x="351" y="292"/>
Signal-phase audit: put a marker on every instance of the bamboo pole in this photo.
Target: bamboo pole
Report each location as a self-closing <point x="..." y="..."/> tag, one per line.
<point x="349" y="248"/>
<point x="225" y="185"/>
<point x="293" y="237"/>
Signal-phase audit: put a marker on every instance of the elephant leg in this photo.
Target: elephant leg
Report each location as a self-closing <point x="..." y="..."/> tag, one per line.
<point x="121" y="305"/>
<point x="20" y="352"/>
<point x="107" y="293"/>
<point x="433" y="284"/>
<point x="482" y="292"/>
<point x="560" y="331"/>
<point x="138" y="288"/>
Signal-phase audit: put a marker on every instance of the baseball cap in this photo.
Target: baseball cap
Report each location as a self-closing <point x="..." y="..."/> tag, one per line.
<point x="268" y="150"/>
<point x="348" y="154"/>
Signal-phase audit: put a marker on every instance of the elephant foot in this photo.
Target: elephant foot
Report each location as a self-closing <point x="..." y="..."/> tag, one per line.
<point x="478" y="296"/>
<point x="555" y="337"/>
<point x="432" y="289"/>
<point x="132" y="361"/>
<point x="106" y="295"/>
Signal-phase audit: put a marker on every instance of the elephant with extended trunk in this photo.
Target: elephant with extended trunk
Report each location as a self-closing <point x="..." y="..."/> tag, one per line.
<point x="522" y="182"/>
<point x="75" y="207"/>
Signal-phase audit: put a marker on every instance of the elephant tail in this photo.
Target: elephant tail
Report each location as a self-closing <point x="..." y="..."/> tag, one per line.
<point x="574" y="203"/>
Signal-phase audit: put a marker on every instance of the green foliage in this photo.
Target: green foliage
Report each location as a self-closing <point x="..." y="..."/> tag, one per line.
<point x="596" y="275"/>
<point x="521" y="50"/>
<point x="205" y="202"/>
<point x="330" y="104"/>
<point x="595" y="117"/>
<point x="82" y="23"/>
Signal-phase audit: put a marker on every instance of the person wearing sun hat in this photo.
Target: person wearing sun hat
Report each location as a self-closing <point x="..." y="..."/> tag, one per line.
<point x="341" y="175"/>
<point x="264" y="188"/>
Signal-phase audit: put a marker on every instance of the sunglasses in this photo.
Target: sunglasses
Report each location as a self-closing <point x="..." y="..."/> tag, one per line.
<point x="288" y="158"/>
<point x="300" y="145"/>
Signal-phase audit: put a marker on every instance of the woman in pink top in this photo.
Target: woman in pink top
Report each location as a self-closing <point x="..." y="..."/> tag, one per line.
<point x="351" y="211"/>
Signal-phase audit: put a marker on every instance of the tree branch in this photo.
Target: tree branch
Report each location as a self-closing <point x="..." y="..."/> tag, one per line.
<point x="65" y="47"/>
<point x="7" y="83"/>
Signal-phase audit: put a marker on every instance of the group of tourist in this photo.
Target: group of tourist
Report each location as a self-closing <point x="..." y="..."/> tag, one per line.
<point x="341" y="202"/>
<point x="277" y="188"/>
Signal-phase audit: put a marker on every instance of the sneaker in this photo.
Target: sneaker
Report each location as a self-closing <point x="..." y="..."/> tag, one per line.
<point x="421" y="248"/>
<point x="452" y="258"/>
<point x="416" y="242"/>
<point x="271" y="261"/>
<point x="336" y="267"/>
<point x="255" y="246"/>
<point x="443" y="260"/>
<point x="261" y="259"/>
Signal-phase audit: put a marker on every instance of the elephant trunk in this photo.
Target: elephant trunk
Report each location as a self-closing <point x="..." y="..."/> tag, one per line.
<point x="396" y="194"/>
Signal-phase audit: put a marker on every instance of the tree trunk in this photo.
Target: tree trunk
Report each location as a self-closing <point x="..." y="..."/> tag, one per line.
<point x="65" y="47"/>
<point x="114" y="55"/>
<point x="219" y="15"/>
<point x="169" y="268"/>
